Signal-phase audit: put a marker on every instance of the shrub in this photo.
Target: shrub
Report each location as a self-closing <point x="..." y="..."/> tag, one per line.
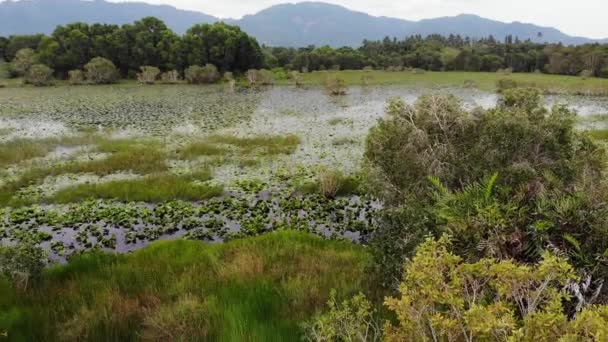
<point x="148" y="74"/>
<point x="586" y="74"/>
<point x="445" y="298"/>
<point x="505" y="84"/>
<point x="335" y="85"/>
<point x="23" y="60"/>
<point x="22" y="263"/>
<point x="202" y="75"/>
<point x="39" y="75"/>
<point x="170" y="77"/>
<point x="296" y="77"/>
<point x="548" y="191"/>
<point x="260" y="77"/>
<point x="605" y="72"/>
<point x="351" y="320"/>
<point x="279" y="74"/>
<point x="76" y="77"/>
<point x="101" y="71"/>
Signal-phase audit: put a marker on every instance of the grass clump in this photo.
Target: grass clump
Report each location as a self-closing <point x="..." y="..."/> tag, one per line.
<point x="200" y="148"/>
<point x="15" y="151"/>
<point x="151" y="189"/>
<point x="264" y="145"/>
<point x="20" y="150"/>
<point x="331" y="184"/>
<point x="187" y="290"/>
<point x="599" y="134"/>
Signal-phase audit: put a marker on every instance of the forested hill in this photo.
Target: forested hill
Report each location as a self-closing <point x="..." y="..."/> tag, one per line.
<point x="301" y="24"/>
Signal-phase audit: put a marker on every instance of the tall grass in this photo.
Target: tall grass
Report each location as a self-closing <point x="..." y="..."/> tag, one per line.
<point x="257" y="289"/>
<point x="125" y="156"/>
<point x="263" y="144"/>
<point x="151" y="189"/>
<point x="20" y="150"/>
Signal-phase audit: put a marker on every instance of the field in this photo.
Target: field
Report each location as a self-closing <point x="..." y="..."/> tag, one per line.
<point x="141" y="176"/>
<point x="248" y="290"/>
<point x="552" y="84"/>
<point x="116" y="167"/>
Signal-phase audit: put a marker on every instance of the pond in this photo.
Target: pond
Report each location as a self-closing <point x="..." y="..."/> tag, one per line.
<point x="331" y="130"/>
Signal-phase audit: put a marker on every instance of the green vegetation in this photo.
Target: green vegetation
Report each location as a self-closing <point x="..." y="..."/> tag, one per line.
<point x="543" y="189"/>
<point x="187" y="291"/>
<point x="150" y="189"/>
<point x="263" y="145"/>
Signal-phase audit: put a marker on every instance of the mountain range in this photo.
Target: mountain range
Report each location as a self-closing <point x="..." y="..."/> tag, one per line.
<point x="300" y="24"/>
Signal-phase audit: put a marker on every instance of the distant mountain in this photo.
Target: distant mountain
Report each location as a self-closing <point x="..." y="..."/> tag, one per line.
<point x="301" y="24"/>
<point x="317" y="23"/>
<point x="42" y="16"/>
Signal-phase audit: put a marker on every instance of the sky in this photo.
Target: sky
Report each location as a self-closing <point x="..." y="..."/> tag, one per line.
<point x="575" y="17"/>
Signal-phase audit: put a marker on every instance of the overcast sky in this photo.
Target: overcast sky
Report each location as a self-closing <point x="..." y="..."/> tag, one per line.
<point x="575" y="17"/>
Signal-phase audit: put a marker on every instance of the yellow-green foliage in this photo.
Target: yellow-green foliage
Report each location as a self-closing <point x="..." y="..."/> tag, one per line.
<point x="256" y="289"/>
<point x="442" y="298"/>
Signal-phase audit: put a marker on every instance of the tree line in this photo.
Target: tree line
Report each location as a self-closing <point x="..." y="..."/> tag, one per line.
<point x="149" y="42"/>
<point x="452" y="53"/>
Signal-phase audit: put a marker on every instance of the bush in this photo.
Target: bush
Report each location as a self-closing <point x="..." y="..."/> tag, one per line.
<point x="586" y="74"/>
<point x="505" y="84"/>
<point x="22" y="263"/>
<point x="508" y="182"/>
<point x="23" y="60"/>
<point x="444" y="298"/>
<point x="605" y="72"/>
<point x="335" y="85"/>
<point x="39" y="75"/>
<point x="76" y="77"/>
<point x="202" y="75"/>
<point x="101" y="71"/>
<point x="351" y="320"/>
<point x="260" y="77"/>
<point x="148" y="74"/>
<point x="296" y="77"/>
<point x="170" y="77"/>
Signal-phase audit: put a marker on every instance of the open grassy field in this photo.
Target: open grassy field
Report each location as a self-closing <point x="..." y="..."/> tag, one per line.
<point x="487" y="81"/>
<point x="554" y="84"/>
<point x="256" y="289"/>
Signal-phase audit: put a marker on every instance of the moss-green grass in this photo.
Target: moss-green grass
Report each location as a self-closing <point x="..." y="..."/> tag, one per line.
<point x="150" y="189"/>
<point x="483" y="80"/>
<point x="256" y="289"/>
<point x="141" y="157"/>
<point x="600" y="134"/>
<point x="431" y="79"/>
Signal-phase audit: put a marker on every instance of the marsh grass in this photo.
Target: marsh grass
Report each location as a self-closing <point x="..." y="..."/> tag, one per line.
<point x="124" y="156"/>
<point x="150" y="189"/>
<point x="330" y="184"/>
<point x="599" y="134"/>
<point x="267" y="145"/>
<point x="256" y="289"/>
<point x="16" y="151"/>
<point x="200" y="148"/>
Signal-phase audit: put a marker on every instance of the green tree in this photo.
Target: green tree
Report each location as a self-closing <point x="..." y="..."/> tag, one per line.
<point x="223" y="45"/>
